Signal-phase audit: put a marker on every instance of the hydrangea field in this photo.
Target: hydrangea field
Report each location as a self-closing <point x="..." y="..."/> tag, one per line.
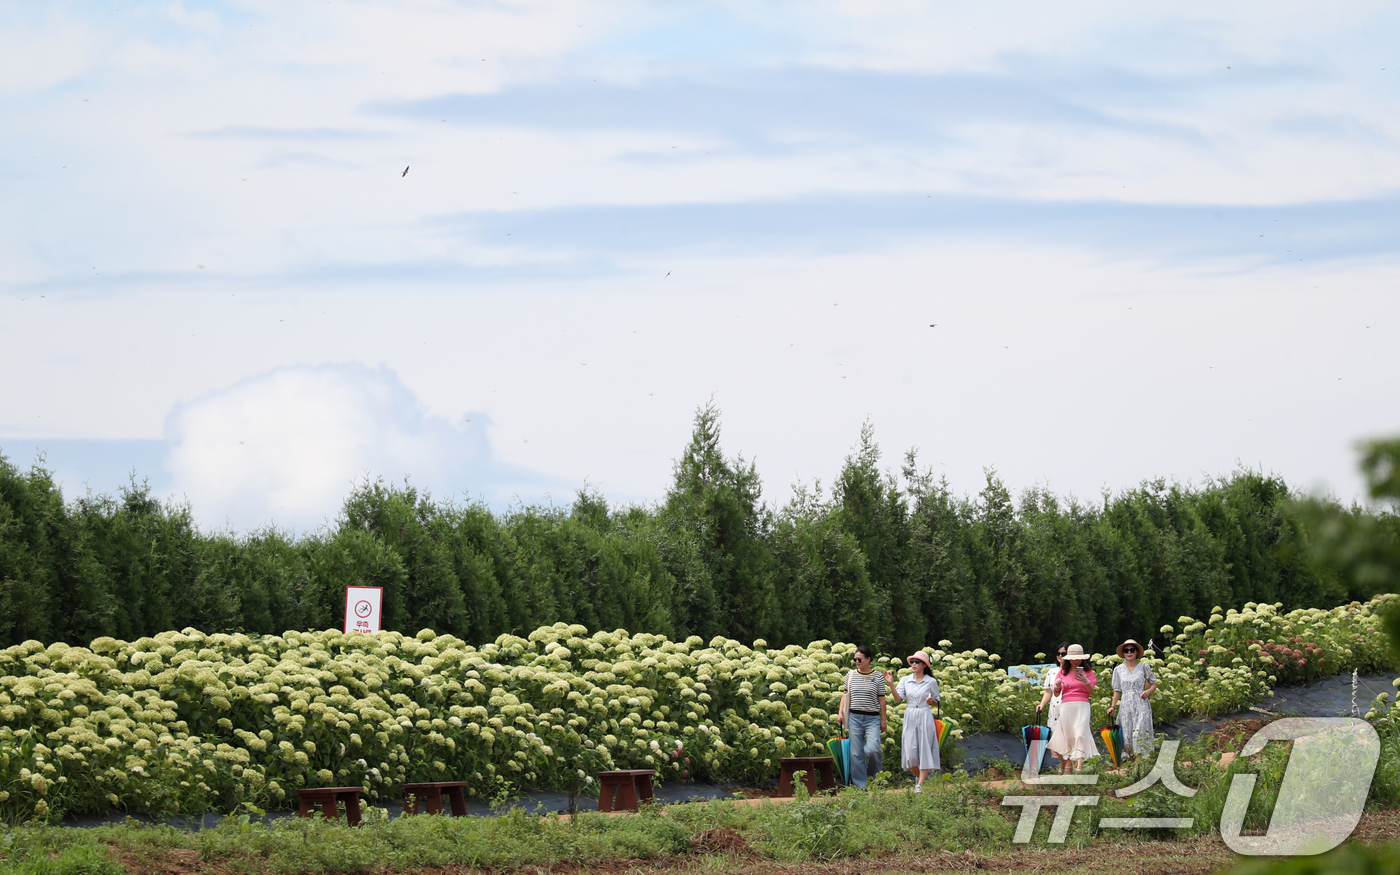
<point x="186" y="722"/>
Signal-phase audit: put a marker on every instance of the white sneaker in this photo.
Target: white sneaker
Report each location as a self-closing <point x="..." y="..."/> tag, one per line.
<point x="918" y="788"/>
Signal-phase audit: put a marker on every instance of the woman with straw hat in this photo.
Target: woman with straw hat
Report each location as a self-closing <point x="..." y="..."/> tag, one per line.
<point x="1134" y="683"/>
<point x="1073" y="739"/>
<point x="919" y="744"/>
<point x="1052" y="715"/>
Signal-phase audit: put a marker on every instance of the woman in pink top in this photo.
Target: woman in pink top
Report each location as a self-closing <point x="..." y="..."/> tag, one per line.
<point x="1073" y="739"/>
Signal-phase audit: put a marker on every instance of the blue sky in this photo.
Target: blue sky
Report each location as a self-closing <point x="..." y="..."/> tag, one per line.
<point x="1154" y="242"/>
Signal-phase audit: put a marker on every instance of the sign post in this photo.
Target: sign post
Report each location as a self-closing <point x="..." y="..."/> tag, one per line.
<point x="362" y="608"/>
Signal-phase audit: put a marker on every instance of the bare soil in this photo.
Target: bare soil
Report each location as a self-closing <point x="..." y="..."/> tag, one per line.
<point x="1231" y="735"/>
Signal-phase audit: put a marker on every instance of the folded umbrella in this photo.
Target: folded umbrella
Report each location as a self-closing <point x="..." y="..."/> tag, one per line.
<point x="1113" y="740"/>
<point x="940" y="727"/>
<point x="841" y="756"/>
<point x="1035" y="736"/>
<point x="1035" y="731"/>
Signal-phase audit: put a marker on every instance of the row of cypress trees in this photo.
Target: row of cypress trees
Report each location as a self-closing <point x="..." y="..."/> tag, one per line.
<point x="895" y="560"/>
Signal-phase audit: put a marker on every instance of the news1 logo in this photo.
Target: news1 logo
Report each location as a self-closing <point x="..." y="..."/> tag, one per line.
<point x="1319" y="804"/>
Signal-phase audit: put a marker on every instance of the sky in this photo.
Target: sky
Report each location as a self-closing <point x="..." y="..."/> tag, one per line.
<point x="253" y="253"/>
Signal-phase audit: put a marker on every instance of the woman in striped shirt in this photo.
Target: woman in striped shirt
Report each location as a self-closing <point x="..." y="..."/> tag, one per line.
<point x="863" y="713"/>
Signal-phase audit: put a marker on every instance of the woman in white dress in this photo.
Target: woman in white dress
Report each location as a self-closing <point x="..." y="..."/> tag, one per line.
<point x="1134" y="683"/>
<point x="919" y="744"/>
<point x="1052" y="701"/>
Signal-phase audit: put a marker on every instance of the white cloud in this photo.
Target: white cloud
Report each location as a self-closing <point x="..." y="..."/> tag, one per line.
<point x="35" y="55"/>
<point x="219" y="185"/>
<point x="288" y="445"/>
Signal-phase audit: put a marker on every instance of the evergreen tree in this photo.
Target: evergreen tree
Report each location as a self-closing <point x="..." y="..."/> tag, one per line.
<point x="30" y="508"/>
<point x="953" y="605"/>
<point x="873" y="510"/>
<point x="715" y="501"/>
<point x="148" y="556"/>
<point x="411" y="528"/>
<point x="899" y="564"/>
<point x="355" y="557"/>
<point x="821" y="579"/>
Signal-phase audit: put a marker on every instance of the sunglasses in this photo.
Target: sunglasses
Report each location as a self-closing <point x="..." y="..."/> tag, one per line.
<point x="1130" y="650"/>
<point x="1062" y="653"/>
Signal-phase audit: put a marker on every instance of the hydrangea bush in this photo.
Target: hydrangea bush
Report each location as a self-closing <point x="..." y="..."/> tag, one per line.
<point x="186" y="722"/>
<point x="1232" y="659"/>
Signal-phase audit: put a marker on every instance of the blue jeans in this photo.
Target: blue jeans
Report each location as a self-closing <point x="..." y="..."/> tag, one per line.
<point x="866" y="756"/>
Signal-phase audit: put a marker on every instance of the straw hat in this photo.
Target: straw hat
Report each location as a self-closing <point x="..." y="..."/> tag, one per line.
<point x="1075" y="652"/>
<point x="1132" y="642"/>
<point x="924" y="657"/>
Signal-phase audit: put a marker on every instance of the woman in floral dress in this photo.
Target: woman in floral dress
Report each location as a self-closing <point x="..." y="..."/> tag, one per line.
<point x="1133" y="684"/>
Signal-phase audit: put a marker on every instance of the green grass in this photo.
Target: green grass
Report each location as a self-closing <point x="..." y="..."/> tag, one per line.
<point x="1351" y="859"/>
<point x="296" y="845"/>
<point x="954" y="813"/>
<point x="955" y="819"/>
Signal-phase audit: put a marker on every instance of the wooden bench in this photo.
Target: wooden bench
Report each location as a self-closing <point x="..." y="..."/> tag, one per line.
<point x="814" y="767"/>
<point x="431" y="794"/>
<point x="630" y="785"/>
<point x="327" y="798"/>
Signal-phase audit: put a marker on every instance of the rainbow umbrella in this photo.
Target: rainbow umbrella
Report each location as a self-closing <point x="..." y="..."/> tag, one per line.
<point x="1035" y="731"/>
<point x="841" y="756"/>
<point x="940" y="727"/>
<point x="1113" y="740"/>
<point x="1035" y="736"/>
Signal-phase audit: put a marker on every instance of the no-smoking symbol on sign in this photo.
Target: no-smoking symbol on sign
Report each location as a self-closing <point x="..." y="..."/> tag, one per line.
<point x="363" y="606"/>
